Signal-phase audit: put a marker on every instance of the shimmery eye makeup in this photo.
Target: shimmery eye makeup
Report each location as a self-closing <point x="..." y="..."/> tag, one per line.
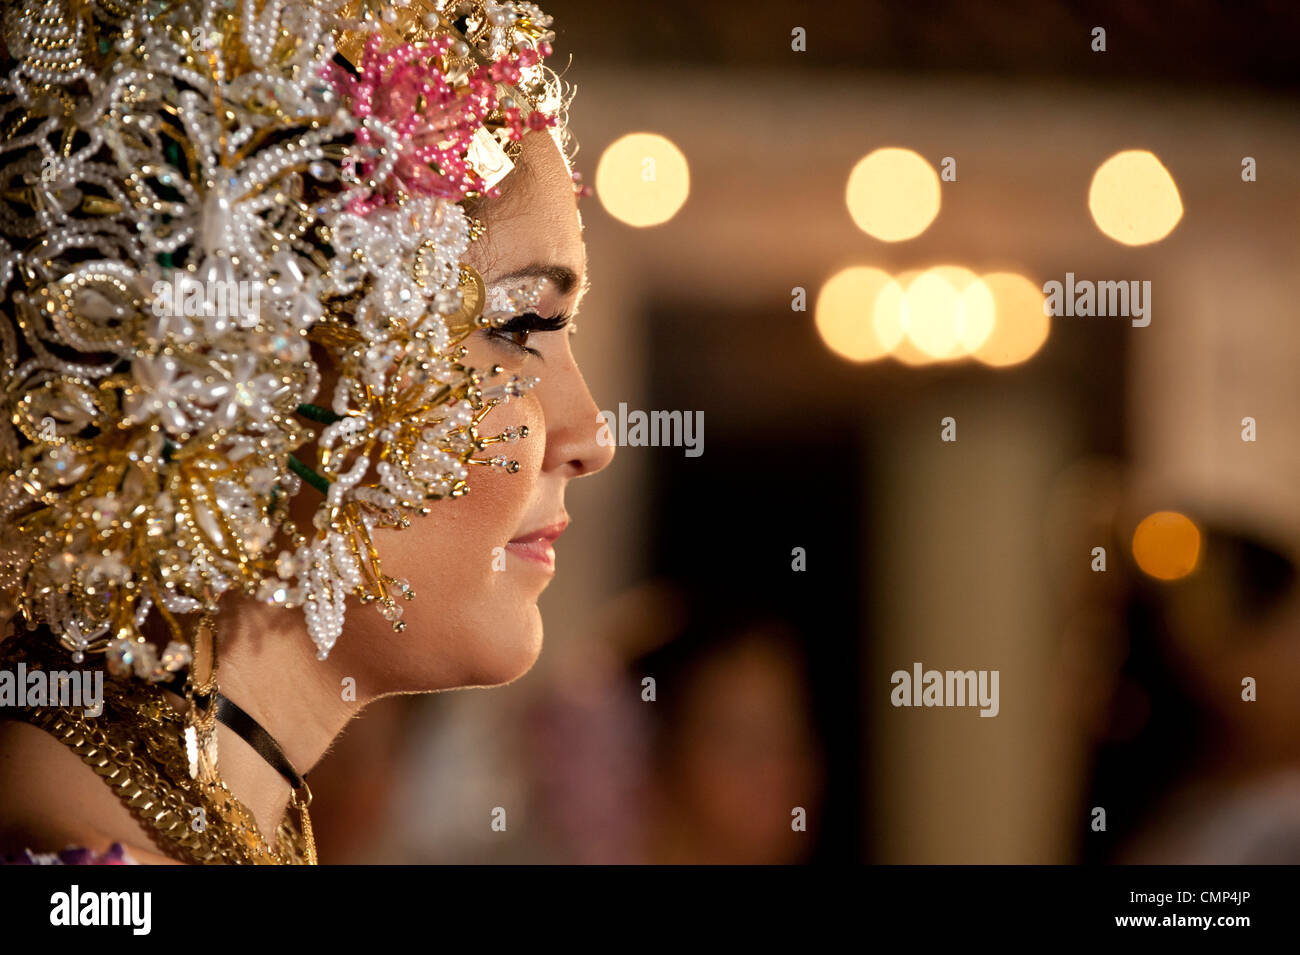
<point x="524" y="325"/>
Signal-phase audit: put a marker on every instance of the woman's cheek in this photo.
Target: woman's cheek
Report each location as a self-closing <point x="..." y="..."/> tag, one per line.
<point x="473" y="621"/>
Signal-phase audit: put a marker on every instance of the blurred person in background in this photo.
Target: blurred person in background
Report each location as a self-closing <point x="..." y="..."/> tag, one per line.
<point x="733" y="750"/>
<point x="1200" y="757"/>
<point x="685" y="737"/>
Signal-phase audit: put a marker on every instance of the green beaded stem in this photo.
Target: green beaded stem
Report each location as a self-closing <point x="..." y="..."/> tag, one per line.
<point x="318" y="481"/>
<point x="317" y="413"/>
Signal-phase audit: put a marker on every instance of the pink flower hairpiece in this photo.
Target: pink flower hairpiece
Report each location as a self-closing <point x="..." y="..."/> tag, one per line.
<point x="415" y="128"/>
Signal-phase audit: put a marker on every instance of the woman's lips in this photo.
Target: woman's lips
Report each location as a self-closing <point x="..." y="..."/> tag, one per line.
<point x="538" y="550"/>
<point x="538" y="545"/>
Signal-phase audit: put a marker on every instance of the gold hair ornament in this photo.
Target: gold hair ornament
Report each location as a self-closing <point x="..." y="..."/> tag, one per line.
<point x="192" y="194"/>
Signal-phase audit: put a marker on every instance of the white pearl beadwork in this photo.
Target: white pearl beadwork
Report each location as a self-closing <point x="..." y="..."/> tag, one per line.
<point x="203" y="174"/>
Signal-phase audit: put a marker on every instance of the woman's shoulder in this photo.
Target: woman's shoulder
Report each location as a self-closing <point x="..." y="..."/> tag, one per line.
<point x="52" y="803"/>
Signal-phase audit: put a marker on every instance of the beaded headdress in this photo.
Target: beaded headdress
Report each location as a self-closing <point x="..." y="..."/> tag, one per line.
<point x="192" y="193"/>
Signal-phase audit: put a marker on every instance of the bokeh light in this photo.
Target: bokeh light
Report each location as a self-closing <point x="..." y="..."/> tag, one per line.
<point x="889" y="311"/>
<point x="930" y="314"/>
<point x="890" y="318"/>
<point x="936" y="314"/>
<point x="642" y="179"/>
<point x="975" y="310"/>
<point x="893" y="194"/>
<point x="843" y="313"/>
<point x="1133" y="198"/>
<point x="908" y="354"/>
<point x="1019" y="327"/>
<point x="1166" y="545"/>
<point x="925" y="316"/>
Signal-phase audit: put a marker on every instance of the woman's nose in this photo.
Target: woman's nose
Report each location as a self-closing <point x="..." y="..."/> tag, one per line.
<point x="572" y="423"/>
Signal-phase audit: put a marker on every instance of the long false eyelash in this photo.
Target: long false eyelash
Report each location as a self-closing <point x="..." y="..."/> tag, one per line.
<point x="524" y="324"/>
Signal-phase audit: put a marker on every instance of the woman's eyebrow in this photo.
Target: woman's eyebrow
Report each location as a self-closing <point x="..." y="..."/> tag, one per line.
<point x="565" y="279"/>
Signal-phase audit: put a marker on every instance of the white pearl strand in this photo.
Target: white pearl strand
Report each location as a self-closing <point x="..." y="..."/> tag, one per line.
<point x="231" y="225"/>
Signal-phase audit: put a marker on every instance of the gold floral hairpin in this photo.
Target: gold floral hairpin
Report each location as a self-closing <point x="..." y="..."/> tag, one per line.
<point x="193" y="193"/>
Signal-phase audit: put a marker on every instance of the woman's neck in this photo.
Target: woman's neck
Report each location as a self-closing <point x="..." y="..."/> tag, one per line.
<point x="267" y="665"/>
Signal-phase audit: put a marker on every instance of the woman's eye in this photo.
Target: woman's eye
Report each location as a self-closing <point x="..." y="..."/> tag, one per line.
<point x="515" y="338"/>
<point x="516" y="331"/>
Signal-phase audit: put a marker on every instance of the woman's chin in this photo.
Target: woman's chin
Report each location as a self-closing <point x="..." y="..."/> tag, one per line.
<point x="480" y="649"/>
<point x="505" y="653"/>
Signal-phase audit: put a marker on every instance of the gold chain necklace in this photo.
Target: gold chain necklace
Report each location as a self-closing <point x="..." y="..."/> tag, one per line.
<point x="135" y="745"/>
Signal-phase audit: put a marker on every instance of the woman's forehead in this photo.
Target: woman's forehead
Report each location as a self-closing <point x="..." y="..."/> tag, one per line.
<point x="535" y="221"/>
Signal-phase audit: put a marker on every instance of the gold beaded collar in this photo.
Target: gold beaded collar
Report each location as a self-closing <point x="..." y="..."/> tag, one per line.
<point x="135" y="746"/>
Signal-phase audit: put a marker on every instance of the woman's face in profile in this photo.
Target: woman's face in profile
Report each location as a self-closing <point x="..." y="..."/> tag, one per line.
<point x="474" y="620"/>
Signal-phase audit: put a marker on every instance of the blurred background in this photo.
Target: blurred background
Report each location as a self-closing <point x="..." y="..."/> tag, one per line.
<point x="827" y="227"/>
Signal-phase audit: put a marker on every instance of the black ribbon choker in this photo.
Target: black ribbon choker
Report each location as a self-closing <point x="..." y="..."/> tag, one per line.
<point x="251" y="732"/>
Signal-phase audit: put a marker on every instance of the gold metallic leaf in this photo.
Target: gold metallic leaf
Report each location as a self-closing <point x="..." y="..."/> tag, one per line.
<point x="474" y="294"/>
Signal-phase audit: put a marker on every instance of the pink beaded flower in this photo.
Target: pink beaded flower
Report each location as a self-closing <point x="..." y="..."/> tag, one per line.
<point x="414" y="128"/>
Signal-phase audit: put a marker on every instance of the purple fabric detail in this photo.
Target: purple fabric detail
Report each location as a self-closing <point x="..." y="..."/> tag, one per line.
<point x="72" y="855"/>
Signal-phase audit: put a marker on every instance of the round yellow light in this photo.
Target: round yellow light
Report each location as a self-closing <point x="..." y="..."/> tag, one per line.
<point x="930" y="313"/>
<point x="1133" y="198"/>
<point x="893" y="194"/>
<point x="843" y="313"/>
<point x="908" y="354"/>
<point x="642" y="179"/>
<point x="1019" y="325"/>
<point x="889" y="311"/>
<point x="976" y="312"/>
<point x="949" y="312"/>
<point x="1166" y="545"/>
<point x="890" y="319"/>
